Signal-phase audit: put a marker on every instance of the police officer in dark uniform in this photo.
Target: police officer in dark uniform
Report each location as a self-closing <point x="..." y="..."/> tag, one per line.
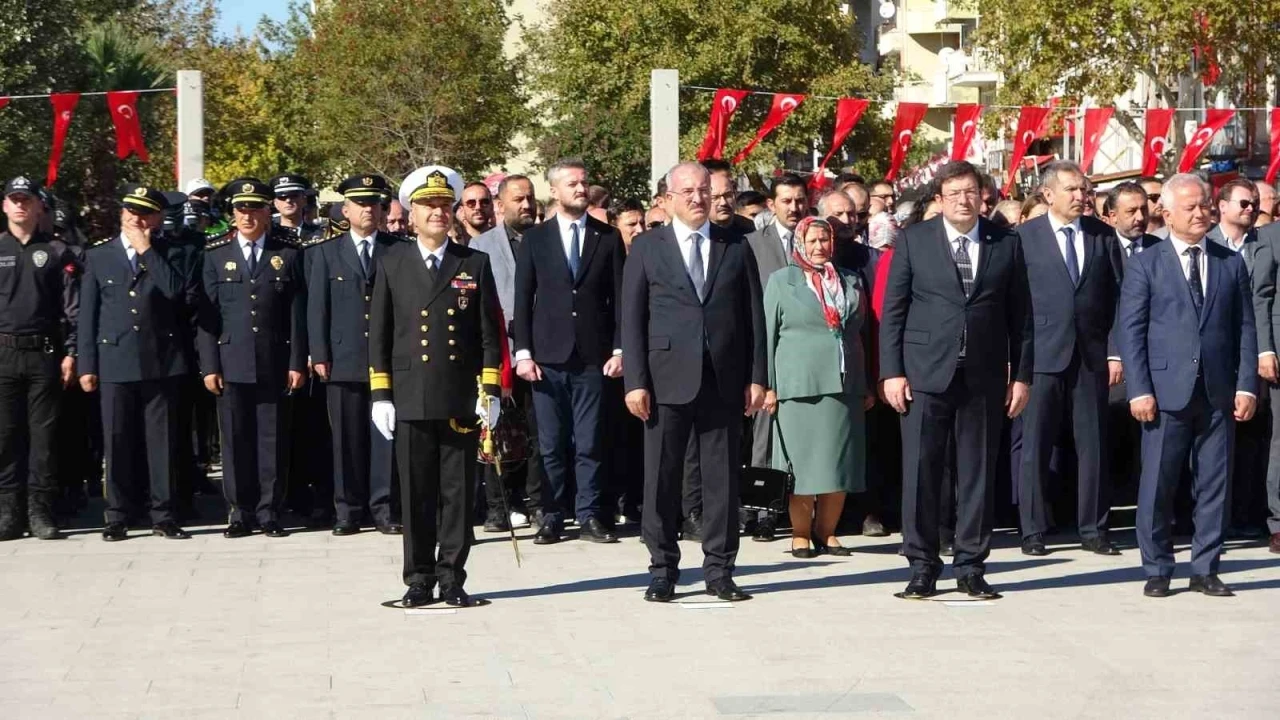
<point x="133" y="325"/>
<point x="39" y="304"/>
<point x="252" y="345"/>
<point x="340" y="277"/>
<point x="434" y="331"/>
<point x="292" y="197"/>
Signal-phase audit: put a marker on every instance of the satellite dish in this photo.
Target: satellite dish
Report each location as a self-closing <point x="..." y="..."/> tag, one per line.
<point x="888" y="10"/>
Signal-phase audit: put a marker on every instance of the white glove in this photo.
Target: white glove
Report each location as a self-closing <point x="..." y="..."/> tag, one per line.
<point x="384" y="418"/>
<point x="488" y="408"/>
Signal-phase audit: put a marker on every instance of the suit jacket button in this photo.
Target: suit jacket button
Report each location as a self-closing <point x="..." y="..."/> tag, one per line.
<point x="453" y="357"/>
<point x="133" y="311"/>
<point x="452" y="341"/>
<point x="253" y="281"/>
<point x="366" y="334"/>
<point x="133" y="293"/>
<point x="255" y="329"/>
<point x="575" y="313"/>
<point x="367" y="298"/>
<point x="451" y="328"/>
<point x="135" y="328"/>
<point x="366" y="316"/>
<point x="253" y="312"/>
<point x="575" y="292"/>
<point x="253" y="297"/>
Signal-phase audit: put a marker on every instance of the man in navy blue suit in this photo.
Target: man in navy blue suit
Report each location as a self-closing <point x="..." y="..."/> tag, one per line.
<point x="1188" y="342"/>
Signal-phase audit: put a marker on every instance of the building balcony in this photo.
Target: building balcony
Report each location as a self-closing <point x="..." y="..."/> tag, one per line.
<point x="972" y="69"/>
<point x="951" y="11"/>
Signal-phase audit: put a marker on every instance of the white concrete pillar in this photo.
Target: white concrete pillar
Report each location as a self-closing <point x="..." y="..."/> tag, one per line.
<point x="190" y="126"/>
<point x="664" y="123"/>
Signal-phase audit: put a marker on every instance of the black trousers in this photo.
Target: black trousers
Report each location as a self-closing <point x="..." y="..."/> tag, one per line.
<point x="362" y="457"/>
<point x="189" y="471"/>
<point x="691" y="488"/>
<point x="255" y="450"/>
<point x="526" y="479"/>
<point x="623" y="453"/>
<point x="436" y="465"/>
<point x="79" y="439"/>
<point x="1078" y="396"/>
<point x="884" y="469"/>
<point x="309" y="484"/>
<point x="970" y="412"/>
<point x="1249" y="474"/>
<point x="666" y="442"/>
<point x="140" y="414"/>
<point x="30" y="388"/>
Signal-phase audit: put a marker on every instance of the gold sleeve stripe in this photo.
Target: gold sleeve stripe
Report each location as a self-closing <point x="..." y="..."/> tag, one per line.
<point x="379" y="381"/>
<point x="491" y="376"/>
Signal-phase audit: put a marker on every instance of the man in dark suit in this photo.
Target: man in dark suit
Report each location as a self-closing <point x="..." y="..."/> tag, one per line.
<point x="1190" y="351"/>
<point x="693" y="336"/>
<point x="341" y="272"/>
<point x="956" y="354"/>
<point x="253" y="353"/>
<point x="1126" y="212"/>
<point x="568" y="273"/>
<point x="434" y="331"/>
<point x="1072" y="309"/>
<point x="132" y="318"/>
<point x="1267" y="311"/>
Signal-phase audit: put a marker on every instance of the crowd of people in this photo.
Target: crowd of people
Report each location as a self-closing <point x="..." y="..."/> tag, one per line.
<point x="924" y="364"/>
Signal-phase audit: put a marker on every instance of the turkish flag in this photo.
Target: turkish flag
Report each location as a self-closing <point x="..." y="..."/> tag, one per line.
<point x="904" y="127"/>
<point x="1206" y="54"/>
<point x="783" y="106"/>
<point x="1157" y="140"/>
<point x="1274" y="167"/>
<point x="848" y="112"/>
<point x="1030" y="121"/>
<point x="1095" y="126"/>
<point x="1214" y="120"/>
<point x="124" y="114"/>
<point x="3" y="101"/>
<point x="965" y="130"/>
<point x="723" y="106"/>
<point x="63" y="106"/>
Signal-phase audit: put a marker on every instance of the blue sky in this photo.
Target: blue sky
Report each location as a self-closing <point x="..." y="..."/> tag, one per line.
<point x="245" y="14"/>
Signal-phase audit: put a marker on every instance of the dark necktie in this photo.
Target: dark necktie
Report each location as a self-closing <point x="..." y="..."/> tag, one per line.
<point x="253" y="259"/>
<point x="696" y="271"/>
<point x="1073" y="260"/>
<point x="575" y="249"/>
<point x="965" y="266"/>
<point x="1128" y="250"/>
<point x="431" y="267"/>
<point x="364" y="256"/>
<point x="1193" y="279"/>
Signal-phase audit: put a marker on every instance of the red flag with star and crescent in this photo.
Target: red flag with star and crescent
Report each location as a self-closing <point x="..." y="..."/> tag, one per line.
<point x="1274" y="168"/>
<point x="723" y="106"/>
<point x="966" y="129"/>
<point x="1095" y="126"/>
<point x="124" y="115"/>
<point x="904" y="127"/>
<point x="1031" y="120"/>
<point x="1214" y="120"/>
<point x="783" y="105"/>
<point x="848" y="112"/>
<point x="1156" y="141"/>
<point x="64" y="105"/>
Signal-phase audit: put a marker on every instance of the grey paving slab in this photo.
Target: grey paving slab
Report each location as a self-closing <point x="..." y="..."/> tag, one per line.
<point x="293" y="628"/>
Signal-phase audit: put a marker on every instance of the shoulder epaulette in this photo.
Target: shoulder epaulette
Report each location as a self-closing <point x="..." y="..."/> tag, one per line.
<point x="317" y="239"/>
<point x="285" y="235"/>
<point x="103" y="241"/>
<point x="218" y="241"/>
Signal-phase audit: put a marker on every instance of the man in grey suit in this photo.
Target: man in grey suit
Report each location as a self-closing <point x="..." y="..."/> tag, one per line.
<point x="516" y="208"/>
<point x="772" y="245"/>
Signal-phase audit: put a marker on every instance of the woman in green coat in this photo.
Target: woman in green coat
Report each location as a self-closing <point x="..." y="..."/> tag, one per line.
<point x="814" y="317"/>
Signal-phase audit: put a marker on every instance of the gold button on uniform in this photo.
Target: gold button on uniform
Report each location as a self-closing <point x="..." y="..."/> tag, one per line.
<point x="425" y="313"/>
<point x="424" y="342"/>
<point x="426" y="358"/>
<point x="424" y="328"/>
<point x="450" y="311"/>
<point x="451" y="328"/>
<point x="133" y="293"/>
<point x="453" y="357"/>
<point x="452" y="341"/>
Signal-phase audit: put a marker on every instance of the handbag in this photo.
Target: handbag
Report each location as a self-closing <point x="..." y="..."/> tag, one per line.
<point x="767" y="488"/>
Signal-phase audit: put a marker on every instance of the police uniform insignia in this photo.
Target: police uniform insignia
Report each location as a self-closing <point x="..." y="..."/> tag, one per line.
<point x="40" y="257"/>
<point x="463" y="302"/>
<point x="140" y="192"/>
<point x="246" y="188"/>
<point x="230" y="266"/>
<point x="366" y="181"/>
<point x="277" y="262"/>
<point x="103" y="241"/>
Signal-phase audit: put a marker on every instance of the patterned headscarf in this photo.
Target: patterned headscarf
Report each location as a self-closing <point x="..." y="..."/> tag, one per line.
<point x="823" y="279"/>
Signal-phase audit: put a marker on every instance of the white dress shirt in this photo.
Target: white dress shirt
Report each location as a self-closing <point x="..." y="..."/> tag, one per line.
<point x="438" y="253"/>
<point x="357" y="240"/>
<point x="1077" y="239"/>
<point x="683" y="239"/>
<point x="1125" y="244"/>
<point x="129" y="252"/>
<point x="785" y="235"/>
<point x="566" y="233"/>
<point x="246" y="244"/>
<point x="973" y="248"/>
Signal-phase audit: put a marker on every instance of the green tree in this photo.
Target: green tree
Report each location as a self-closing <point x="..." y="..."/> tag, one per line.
<point x="1098" y="48"/>
<point x="593" y="61"/>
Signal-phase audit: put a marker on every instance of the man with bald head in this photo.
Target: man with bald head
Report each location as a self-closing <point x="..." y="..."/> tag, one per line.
<point x="693" y="339"/>
<point x="1266" y="204"/>
<point x="1190" y="350"/>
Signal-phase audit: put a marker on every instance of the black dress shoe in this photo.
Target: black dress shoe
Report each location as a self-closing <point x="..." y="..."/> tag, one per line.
<point x="1099" y="546"/>
<point x="391" y="529"/>
<point x="922" y="585"/>
<point x="496" y="523"/>
<point x="419" y="594"/>
<point x="345" y="527"/>
<point x="660" y="590"/>
<point x="691" y="529"/>
<point x="547" y="534"/>
<point x="596" y="532"/>
<point x="1034" y="545"/>
<point x="836" y="550"/>
<point x="727" y="590"/>
<point x="975" y="586"/>
<point x="455" y="596"/>
<point x="236" y="529"/>
<point x="1157" y="587"/>
<point x="271" y="528"/>
<point x="169" y="530"/>
<point x="803" y="553"/>
<point x="114" y="532"/>
<point x="1209" y="585"/>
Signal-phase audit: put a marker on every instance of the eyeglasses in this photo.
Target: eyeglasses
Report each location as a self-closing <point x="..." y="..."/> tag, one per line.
<point x="475" y="203"/>
<point x="690" y="193"/>
<point x="962" y="192"/>
<point x="724" y="197"/>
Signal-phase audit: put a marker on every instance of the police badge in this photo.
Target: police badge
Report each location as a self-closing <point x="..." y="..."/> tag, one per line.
<point x="230" y="266"/>
<point x="277" y="262"/>
<point x="40" y="257"/>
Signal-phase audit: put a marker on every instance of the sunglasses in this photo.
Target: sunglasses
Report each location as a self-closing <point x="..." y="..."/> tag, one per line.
<point x="863" y="215"/>
<point x="1247" y="204"/>
<point x="291" y="197"/>
<point x="474" y="203"/>
<point x="653" y="225"/>
<point x="1153" y="197"/>
<point x="249" y="206"/>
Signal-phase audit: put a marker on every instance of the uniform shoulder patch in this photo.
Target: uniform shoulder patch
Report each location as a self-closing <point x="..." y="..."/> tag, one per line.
<point x="283" y="235"/>
<point x="218" y="241"/>
<point x="317" y="239"/>
<point x="103" y="241"/>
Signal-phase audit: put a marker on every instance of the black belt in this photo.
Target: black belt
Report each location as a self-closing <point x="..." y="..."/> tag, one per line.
<point x="26" y="342"/>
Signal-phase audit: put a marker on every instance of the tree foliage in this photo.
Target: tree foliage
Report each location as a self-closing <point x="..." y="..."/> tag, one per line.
<point x="593" y="60"/>
<point x="1097" y="49"/>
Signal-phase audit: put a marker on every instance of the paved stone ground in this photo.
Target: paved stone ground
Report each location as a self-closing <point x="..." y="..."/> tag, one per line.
<point x="294" y="628"/>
